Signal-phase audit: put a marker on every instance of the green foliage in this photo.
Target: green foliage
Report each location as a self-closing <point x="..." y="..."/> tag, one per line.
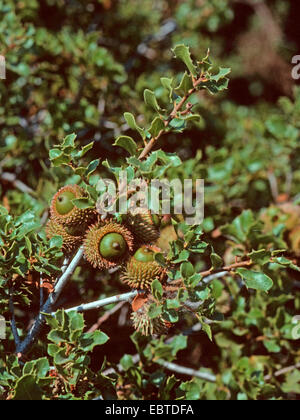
<point x="66" y="368"/>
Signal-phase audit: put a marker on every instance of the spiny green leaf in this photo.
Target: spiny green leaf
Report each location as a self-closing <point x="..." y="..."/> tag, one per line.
<point x="156" y="126"/>
<point x="183" y="52"/>
<point x="261" y="256"/>
<point x="185" y="85"/>
<point x="177" y="124"/>
<point x="127" y="143"/>
<point x="187" y="270"/>
<point x="150" y="99"/>
<point x="216" y="260"/>
<point x="126" y="362"/>
<point x="133" y="125"/>
<point x="90" y="340"/>
<point x="58" y="158"/>
<point x="84" y="150"/>
<point x="168" y="85"/>
<point x="170" y="315"/>
<point x="223" y="72"/>
<point x="57" y="336"/>
<point x="61" y="357"/>
<point x="154" y="311"/>
<point x="255" y="279"/>
<point x="27" y="389"/>
<point x="69" y="141"/>
<point x="56" y="241"/>
<point x="76" y="321"/>
<point x="92" y="167"/>
<point x="157" y="289"/>
<point x="286" y="263"/>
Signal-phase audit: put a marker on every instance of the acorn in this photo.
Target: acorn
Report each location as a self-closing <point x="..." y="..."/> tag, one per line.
<point x="146" y="325"/>
<point x="71" y="237"/>
<point x="141" y="270"/>
<point x="107" y="244"/>
<point x="145" y="226"/>
<point x="64" y="212"/>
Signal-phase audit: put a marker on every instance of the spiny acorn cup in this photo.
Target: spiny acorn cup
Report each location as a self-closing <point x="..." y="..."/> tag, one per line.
<point x="64" y="212"/>
<point x="148" y="326"/>
<point x="145" y="226"/>
<point x="107" y="244"/>
<point x="141" y="269"/>
<point x="71" y="237"/>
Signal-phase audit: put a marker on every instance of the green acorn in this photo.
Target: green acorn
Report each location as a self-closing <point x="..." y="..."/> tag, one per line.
<point x="141" y="270"/>
<point x="107" y="245"/>
<point x="64" y="212"/>
<point x="71" y="237"/>
<point x="145" y="226"/>
<point x="146" y="325"/>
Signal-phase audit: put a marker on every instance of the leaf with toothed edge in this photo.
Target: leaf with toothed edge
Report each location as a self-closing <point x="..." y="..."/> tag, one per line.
<point x="127" y="143"/>
<point x="183" y="52"/>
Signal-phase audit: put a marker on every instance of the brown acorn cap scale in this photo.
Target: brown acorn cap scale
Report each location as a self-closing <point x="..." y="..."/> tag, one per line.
<point x="141" y="270"/>
<point x="140" y="275"/>
<point x="143" y="227"/>
<point x="69" y="241"/>
<point x="147" y="326"/>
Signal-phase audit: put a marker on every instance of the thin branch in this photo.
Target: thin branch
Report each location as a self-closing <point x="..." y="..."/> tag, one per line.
<point x="282" y="371"/>
<point x="126" y="297"/>
<point x="37" y="327"/>
<point x="41" y="292"/>
<point x="12" y="179"/>
<point x="173" y="115"/>
<point x="68" y="270"/>
<point x="289" y="182"/>
<point x="213" y="277"/>
<point x="228" y="268"/>
<point x="136" y="357"/>
<point x="273" y="185"/>
<point x="45" y="217"/>
<point x="106" y="316"/>
<point x="65" y="265"/>
<point x="13" y="319"/>
<point x="208" y="275"/>
<point x="182" y="370"/>
<point x="170" y="366"/>
<point x="67" y="273"/>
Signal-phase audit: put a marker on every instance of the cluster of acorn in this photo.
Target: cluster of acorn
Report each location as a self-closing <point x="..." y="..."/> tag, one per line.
<point x="108" y="244"/>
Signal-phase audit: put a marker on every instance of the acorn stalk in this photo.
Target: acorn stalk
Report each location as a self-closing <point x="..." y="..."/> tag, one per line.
<point x="107" y="245"/>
